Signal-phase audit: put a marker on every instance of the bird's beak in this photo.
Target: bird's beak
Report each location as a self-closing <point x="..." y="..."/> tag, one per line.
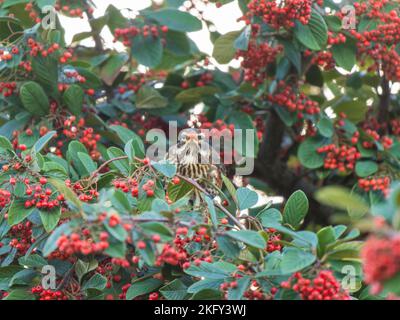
<point x="192" y="137"/>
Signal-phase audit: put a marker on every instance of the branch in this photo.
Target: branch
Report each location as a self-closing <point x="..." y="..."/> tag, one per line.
<point x="384" y="101"/>
<point x="270" y="168"/>
<point x="105" y="164"/>
<point x="98" y="41"/>
<point x="217" y="204"/>
<point x="190" y="181"/>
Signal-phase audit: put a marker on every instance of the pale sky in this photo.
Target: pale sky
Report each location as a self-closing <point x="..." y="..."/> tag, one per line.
<point x="224" y="18"/>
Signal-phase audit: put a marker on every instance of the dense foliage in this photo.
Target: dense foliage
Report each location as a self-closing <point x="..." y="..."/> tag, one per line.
<point x="77" y="191"/>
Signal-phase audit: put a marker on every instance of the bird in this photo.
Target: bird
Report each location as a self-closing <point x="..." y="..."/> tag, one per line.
<point x="196" y="159"/>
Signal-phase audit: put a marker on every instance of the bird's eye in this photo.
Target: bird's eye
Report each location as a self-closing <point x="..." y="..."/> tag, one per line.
<point x="201" y="136"/>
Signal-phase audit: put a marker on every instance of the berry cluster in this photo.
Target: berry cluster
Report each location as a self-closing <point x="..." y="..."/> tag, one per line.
<point x="273" y="241"/>
<point x="381" y="260"/>
<point x="5" y="198"/>
<point x="257" y="293"/>
<point x="82" y="244"/>
<point x="21" y="237"/>
<point x="42" y="198"/>
<point x="324" y="59"/>
<point x="201" y="236"/>
<point x="48" y="294"/>
<point x="84" y="194"/>
<point x="386" y="142"/>
<point x="70" y="77"/>
<point x="341" y="157"/>
<point x="295" y="102"/>
<point x="37" y="48"/>
<point x="256" y="61"/>
<point x="33" y="14"/>
<point x="136" y="81"/>
<point x="205" y="79"/>
<point x="379" y="43"/>
<point x="281" y="15"/>
<point x="323" y="287"/>
<point x="126" y="35"/>
<point x="131" y="185"/>
<point x="72" y="12"/>
<point x="75" y="129"/>
<point x="374" y="184"/>
<point x="172" y="256"/>
<point x="8" y="88"/>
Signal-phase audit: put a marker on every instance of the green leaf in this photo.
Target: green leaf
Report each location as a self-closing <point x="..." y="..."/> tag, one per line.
<point x="67" y="192"/>
<point x="308" y="155"/>
<point x="211" y="210"/>
<point x="123" y="164"/>
<point x="175" y="19"/>
<point x="178" y="43"/>
<point x="345" y="54"/>
<point x="147" y="51"/>
<point x="366" y="168"/>
<point x="242" y="42"/>
<point x="115" y="18"/>
<point x="18" y="213"/>
<point x="112" y="67"/>
<point x="5" y="144"/>
<point x="73" y="149"/>
<point x="325" y="127"/>
<point x="195" y="95"/>
<point x="143" y="287"/>
<point x="152" y="228"/>
<point x="207" y="294"/>
<point x="293" y="54"/>
<point x="87" y="162"/>
<point x="34" y="99"/>
<point x="326" y="236"/>
<point x="50" y="219"/>
<point x="296" y="209"/>
<point x="118" y="232"/>
<point x="43" y="141"/>
<point x="82" y="268"/>
<point x="165" y="167"/>
<point x="228" y="247"/>
<point x="314" y="35"/>
<point x="249" y="237"/>
<point x="224" y="50"/>
<point x="150" y="98"/>
<point x="246" y="198"/>
<point x="127" y="135"/>
<point x="206" y="284"/>
<point x="175" y="290"/>
<point x="355" y="110"/>
<point x="179" y="191"/>
<point x="45" y="69"/>
<point x="51" y="243"/>
<point x="20" y="294"/>
<point x="98" y="282"/>
<point x="237" y="293"/>
<point x="270" y="215"/>
<point x="208" y="271"/>
<point x="73" y="98"/>
<point x="33" y="261"/>
<point x="342" y="198"/>
<point x="294" y="260"/>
